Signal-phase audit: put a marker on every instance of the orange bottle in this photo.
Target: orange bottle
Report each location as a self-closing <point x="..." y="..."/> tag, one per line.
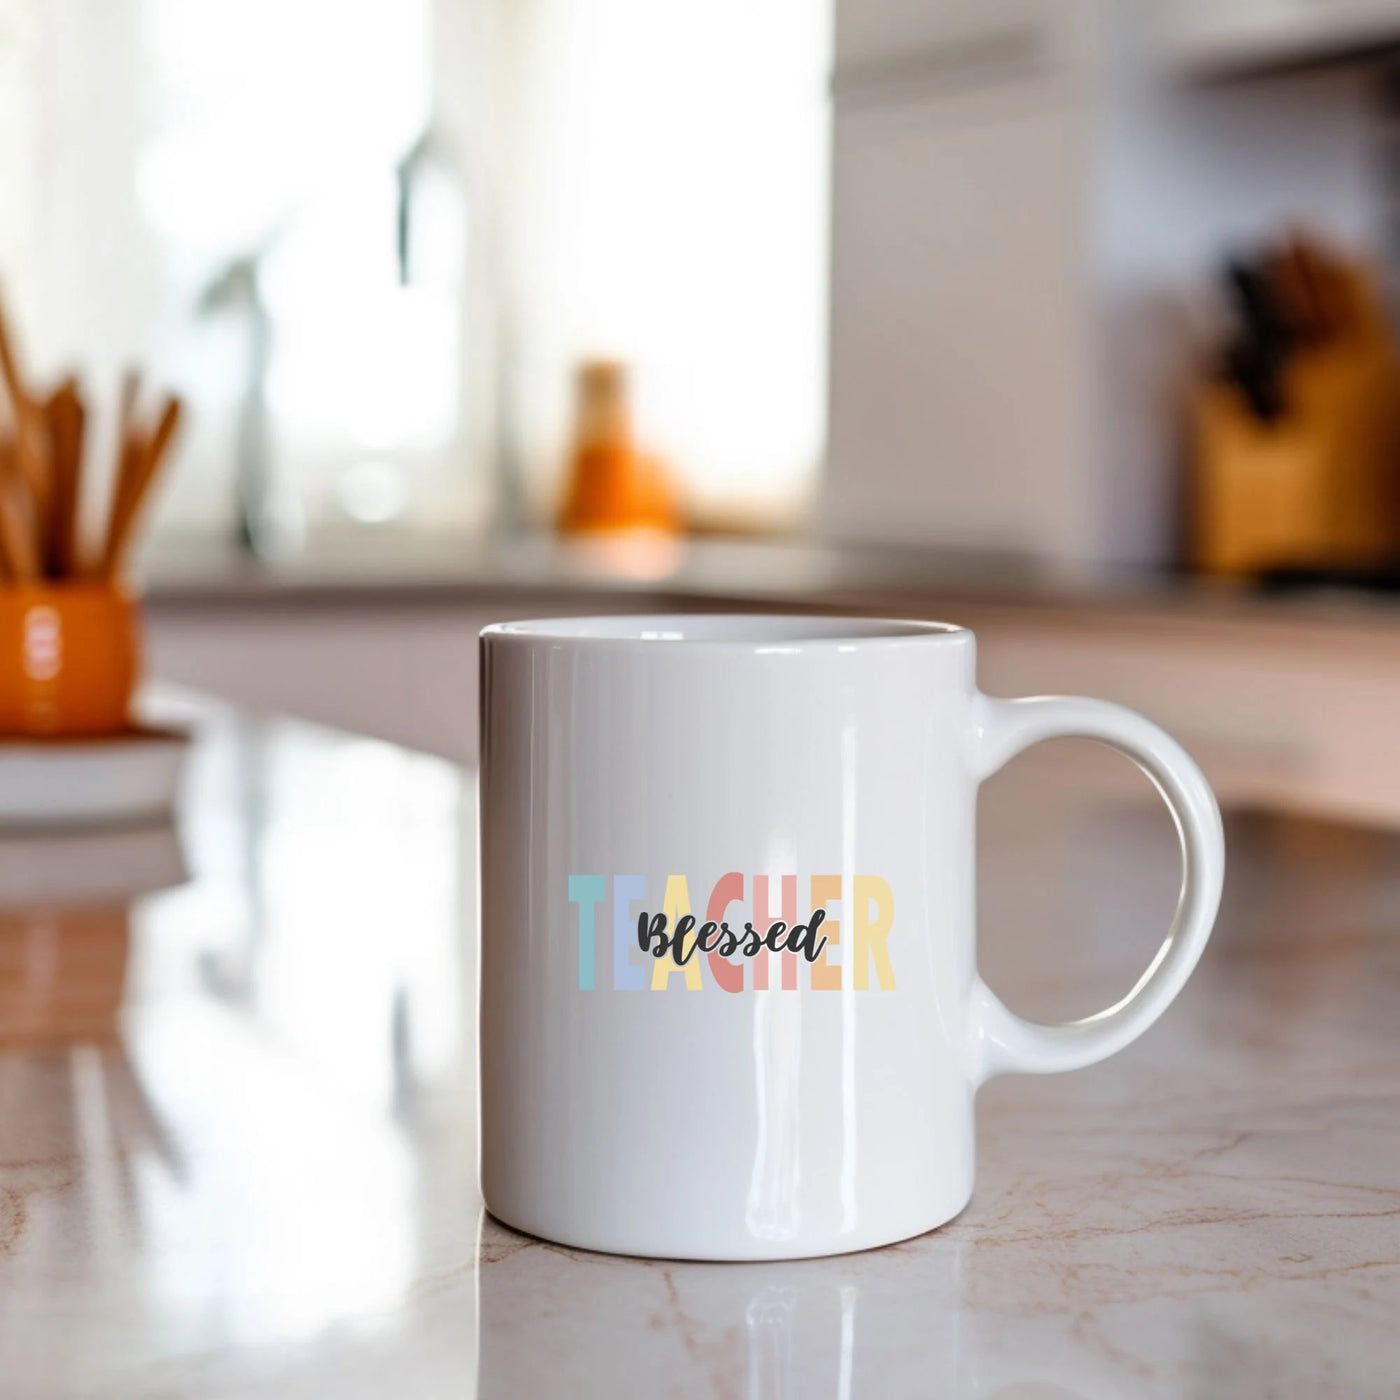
<point x="611" y="486"/>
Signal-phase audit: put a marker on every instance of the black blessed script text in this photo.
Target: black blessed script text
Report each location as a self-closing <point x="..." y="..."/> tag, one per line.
<point x="711" y="937"/>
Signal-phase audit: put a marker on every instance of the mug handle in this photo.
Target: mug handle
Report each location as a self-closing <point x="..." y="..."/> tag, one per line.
<point x="1001" y="1042"/>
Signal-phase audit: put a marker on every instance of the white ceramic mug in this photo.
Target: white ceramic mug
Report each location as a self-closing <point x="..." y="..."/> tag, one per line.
<point x="729" y="996"/>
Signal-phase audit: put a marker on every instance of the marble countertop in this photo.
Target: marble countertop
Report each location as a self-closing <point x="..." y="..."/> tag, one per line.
<point x="237" y="1133"/>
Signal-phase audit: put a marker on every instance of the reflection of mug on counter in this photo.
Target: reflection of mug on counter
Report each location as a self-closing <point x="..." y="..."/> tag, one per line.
<point x="856" y="1326"/>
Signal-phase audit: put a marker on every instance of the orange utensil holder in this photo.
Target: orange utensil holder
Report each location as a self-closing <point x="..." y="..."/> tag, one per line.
<point x="69" y="658"/>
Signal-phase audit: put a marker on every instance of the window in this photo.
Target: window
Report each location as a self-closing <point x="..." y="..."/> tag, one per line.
<point x="370" y="239"/>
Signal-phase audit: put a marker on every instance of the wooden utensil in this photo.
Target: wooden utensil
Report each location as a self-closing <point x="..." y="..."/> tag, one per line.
<point x="9" y="368"/>
<point x="30" y="438"/>
<point x="66" y="419"/>
<point x="140" y="462"/>
<point x="17" y="535"/>
<point x="129" y="451"/>
<point x="41" y="475"/>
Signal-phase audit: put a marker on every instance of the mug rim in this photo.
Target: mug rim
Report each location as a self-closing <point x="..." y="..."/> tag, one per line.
<point x="757" y="633"/>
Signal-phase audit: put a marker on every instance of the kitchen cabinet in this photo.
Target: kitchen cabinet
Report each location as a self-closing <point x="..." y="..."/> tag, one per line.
<point x="959" y="411"/>
<point x="240" y="1128"/>
<point x="1288" y="706"/>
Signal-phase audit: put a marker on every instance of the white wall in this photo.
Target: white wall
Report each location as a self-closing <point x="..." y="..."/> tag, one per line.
<point x="961" y="148"/>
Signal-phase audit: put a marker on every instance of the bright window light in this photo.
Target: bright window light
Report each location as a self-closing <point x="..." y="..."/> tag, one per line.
<point x="673" y="212"/>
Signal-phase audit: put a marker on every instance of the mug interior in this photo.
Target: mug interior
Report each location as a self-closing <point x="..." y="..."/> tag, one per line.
<point x="741" y="629"/>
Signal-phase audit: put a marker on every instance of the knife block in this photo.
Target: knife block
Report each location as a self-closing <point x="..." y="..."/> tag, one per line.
<point x="1319" y="487"/>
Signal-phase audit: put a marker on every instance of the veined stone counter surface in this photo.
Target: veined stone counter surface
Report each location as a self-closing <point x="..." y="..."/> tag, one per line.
<point x="238" y="1132"/>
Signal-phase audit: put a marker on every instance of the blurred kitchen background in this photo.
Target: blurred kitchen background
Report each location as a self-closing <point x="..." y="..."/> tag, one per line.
<point x="1069" y="319"/>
